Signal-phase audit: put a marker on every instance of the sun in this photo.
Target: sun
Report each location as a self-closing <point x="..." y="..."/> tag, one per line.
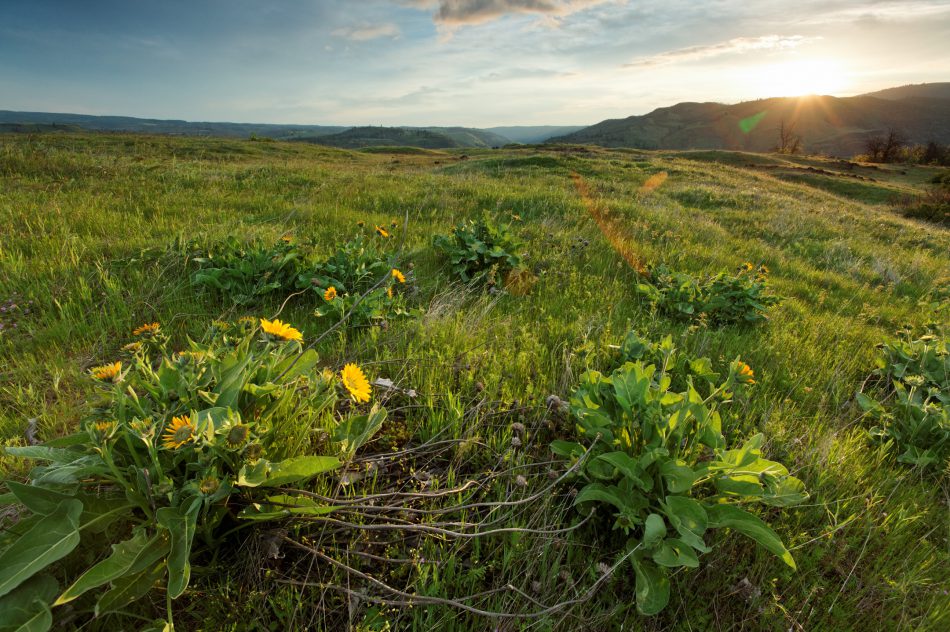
<point x="799" y="77"/>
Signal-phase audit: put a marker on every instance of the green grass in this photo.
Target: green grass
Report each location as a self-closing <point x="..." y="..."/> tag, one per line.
<point x="87" y="227"/>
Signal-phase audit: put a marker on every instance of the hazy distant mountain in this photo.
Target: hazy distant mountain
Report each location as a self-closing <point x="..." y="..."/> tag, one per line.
<point x="534" y="133"/>
<point x="50" y="121"/>
<point x="471" y="137"/>
<point x="925" y="90"/>
<point x="831" y="125"/>
<point x="424" y="137"/>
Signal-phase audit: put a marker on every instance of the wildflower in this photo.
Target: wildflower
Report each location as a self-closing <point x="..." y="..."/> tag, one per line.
<point x="179" y="432"/>
<point x="516" y="217"/>
<point x="148" y="329"/>
<point x="747" y="267"/>
<point x="133" y="347"/>
<point x="143" y="428"/>
<point x="208" y="485"/>
<point x="355" y="382"/>
<point x="382" y="232"/>
<point x="195" y="356"/>
<point x="763" y="269"/>
<point x="102" y="430"/>
<point x="361" y="223"/>
<point x="237" y="435"/>
<point x="287" y="239"/>
<point x="389" y="291"/>
<point x="330" y="294"/>
<point x="107" y="372"/>
<point x="393" y="224"/>
<point x="281" y="330"/>
<point x="744" y="373"/>
<point x="399" y="276"/>
<point x="254" y="452"/>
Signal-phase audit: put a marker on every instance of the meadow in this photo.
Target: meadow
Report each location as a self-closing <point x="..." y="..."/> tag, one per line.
<point x="102" y="233"/>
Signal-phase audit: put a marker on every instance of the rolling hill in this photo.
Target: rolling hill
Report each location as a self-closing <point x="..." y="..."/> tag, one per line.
<point x="831" y="125"/>
<point x="425" y="138"/>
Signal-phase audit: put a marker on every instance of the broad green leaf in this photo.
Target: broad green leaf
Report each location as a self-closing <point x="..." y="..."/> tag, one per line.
<point x="785" y="492"/>
<point x="283" y="505"/>
<point x="567" y="449"/>
<point x="297" y="365"/>
<point x="722" y="515"/>
<point x="129" y="557"/>
<point x="231" y="380"/>
<point x="253" y="474"/>
<point x="689" y="519"/>
<point x="298" y="469"/>
<point x="50" y="539"/>
<point x="8" y="499"/>
<point x="653" y="586"/>
<point x="37" y="499"/>
<point x="654" y="530"/>
<point x="625" y="464"/>
<point x="603" y="493"/>
<point x="43" y="453"/>
<point x="181" y="529"/>
<point x="674" y="553"/>
<point x="353" y="432"/>
<point x="26" y="609"/>
<point x="129" y="588"/>
<point x="678" y="476"/>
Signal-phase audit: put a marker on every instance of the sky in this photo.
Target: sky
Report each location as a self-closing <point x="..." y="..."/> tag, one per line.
<point x="477" y="63"/>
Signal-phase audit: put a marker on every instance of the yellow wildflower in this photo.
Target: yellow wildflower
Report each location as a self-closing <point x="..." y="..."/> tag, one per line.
<point x="330" y="294"/>
<point x="107" y="372"/>
<point x="355" y="382"/>
<point x="382" y="231"/>
<point x="179" y="432"/>
<point x="148" y="329"/>
<point x="281" y="330"/>
<point x="744" y="373"/>
<point x="399" y="276"/>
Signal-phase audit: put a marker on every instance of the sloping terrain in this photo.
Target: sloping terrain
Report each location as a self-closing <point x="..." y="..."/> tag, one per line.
<point x="96" y="236"/>
<point x="829" y="125"/>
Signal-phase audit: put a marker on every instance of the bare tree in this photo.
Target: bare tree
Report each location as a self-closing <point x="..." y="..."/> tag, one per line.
<point x="788" y="141"/>
<point x="885" y="148"/>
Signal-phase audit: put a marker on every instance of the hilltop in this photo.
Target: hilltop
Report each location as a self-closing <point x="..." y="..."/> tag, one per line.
<point x="836" y="126"/>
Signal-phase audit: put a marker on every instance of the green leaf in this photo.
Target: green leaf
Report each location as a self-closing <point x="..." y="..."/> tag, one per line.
<point x="26" y="609"/>
<point x="282" y="506"/>
<point x="674" y="553"/>
<point x="653" y="586"/>
<point x="297" y="365"/>
<point x="600" y="492"/>
<point x="181" y="528"/>
<point x="353" y="432"/>
<point x="785" y="492"/>
<point x="730" y="516"/>
<point x="129" y="557"/>
<point x="678" y="476"/>
<point x="232" y="379"/>
<point x="625" y="464"/>
<point x="37" y="499"/>
<point x="50" y="539"/>
<point x="567" y="449"/>
<point x="129" y="588"/>
<point x="654" y="530"/>
<point x="43" y="453"/>
<point x="298" y="469"/>
<point x="689" y="519"/>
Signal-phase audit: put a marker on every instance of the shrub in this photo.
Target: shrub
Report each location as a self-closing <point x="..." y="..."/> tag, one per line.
<point x="912" y="415"/>
<point x="655" y="463"/>
<point x="245" y="273"/>
<point x="480" y="251"/>
<point x="176" y="445"/>
<point x="722" y="299"/>
<point x="932" y="206"/>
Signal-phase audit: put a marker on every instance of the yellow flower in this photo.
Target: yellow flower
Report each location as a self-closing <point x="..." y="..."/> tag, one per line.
<point x="281" y="330"/>
<point x="209" y="485"/>
<point x="399" y="276"/>
<point x="148" y="329"/>
<point x="286" y="239"/>
<point x="744" y="373"/>
<point x="237" y="435"/>
<point x="393" y="224"/>
<point x="179" y="432"/>
<point x="330" y="294"/>
<point x="133" y="347"/>
<point x="389" y="291"/>
<point x="361" y="223"/>
<point x="747" y="267"/>
<point x="382" y="231"/>
<point x="355" y="382"/>
<point x="107" y="372"/>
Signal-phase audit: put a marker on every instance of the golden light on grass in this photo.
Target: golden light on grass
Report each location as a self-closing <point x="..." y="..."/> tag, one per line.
<point x="355" y="382"/>
<point x="179" y="432"/>
<point x="281" y="330"/>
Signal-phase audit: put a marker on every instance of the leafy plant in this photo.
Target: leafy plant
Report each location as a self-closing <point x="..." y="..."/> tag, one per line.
<point x="178" y="445"/>
<point x="720" y="299"/>
<point x="913" y="416"/>
<point x="360" y="280"/>
<point x="247" y="272"/>
<point x="480" y="251"/>
<point x="655" y="461"/>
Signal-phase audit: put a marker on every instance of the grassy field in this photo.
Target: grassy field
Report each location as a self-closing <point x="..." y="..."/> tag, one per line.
<point x="92" y="245"/>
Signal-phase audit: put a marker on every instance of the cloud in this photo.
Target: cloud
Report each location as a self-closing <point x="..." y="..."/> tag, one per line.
<point x="455" y="13"/>
<point x="367" y="32"/>
<point x="735" y="45"/>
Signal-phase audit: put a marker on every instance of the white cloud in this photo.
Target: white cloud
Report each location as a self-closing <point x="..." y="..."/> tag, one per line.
<point x="732" y="46"/>
<point x="366" y="32"/>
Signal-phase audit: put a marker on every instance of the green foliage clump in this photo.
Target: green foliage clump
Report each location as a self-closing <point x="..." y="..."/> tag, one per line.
<point x="913" y="415"/>
<point x="722" y="299"/>
<point x="245" y="273"/>
<point x="654" y="461"/>
<point x="480" y="251"/>
<point x="359" y="279"/>
<point x="175" y="446"/>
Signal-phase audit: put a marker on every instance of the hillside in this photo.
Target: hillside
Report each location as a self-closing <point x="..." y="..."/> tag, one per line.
<point x="406" y="437"/>
<point x="829" y="125"/>
<point x="917" y="90"/>
<point x="530" y="134"/>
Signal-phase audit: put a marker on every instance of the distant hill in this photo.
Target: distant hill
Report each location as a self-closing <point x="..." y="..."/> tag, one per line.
<point x="829" y="125"/>
<point x="916" y="90"/>
<point x="471" y="137"/>
<point x="46" y="121"/>
<point x="358" y="137"/>
<point x="530" y="134"/>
